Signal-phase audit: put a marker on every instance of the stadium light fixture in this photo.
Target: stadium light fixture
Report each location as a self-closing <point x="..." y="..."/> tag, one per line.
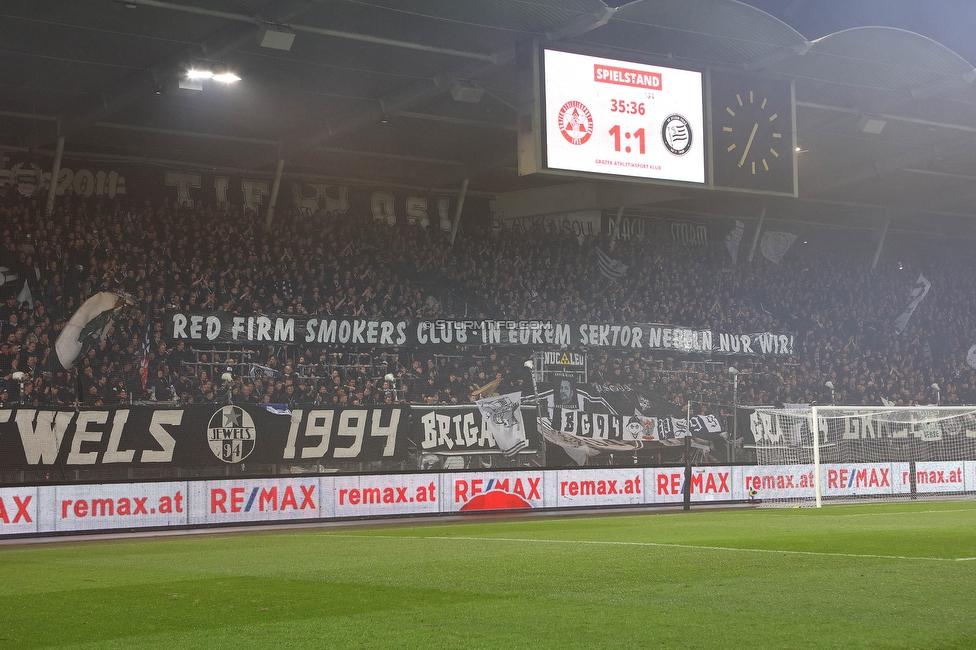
<point x="871" y="124"/>
<point x="276" y="38"/>
<point x="195" y="74"/>
<point x="466" y="91"/>
<point x="226" y="77"/>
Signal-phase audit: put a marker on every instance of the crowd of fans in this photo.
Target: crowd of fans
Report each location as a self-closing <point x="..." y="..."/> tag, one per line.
<point x="220" y="257"/>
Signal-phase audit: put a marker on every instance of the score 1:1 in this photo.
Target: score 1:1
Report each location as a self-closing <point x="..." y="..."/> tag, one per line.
<point x="615" y="132"/>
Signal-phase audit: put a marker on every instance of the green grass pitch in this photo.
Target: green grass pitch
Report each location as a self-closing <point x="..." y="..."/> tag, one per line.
<point x="852" y="576"/>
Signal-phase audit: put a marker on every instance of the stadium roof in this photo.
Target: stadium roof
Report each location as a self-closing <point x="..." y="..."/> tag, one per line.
<point x="364" y="94"/>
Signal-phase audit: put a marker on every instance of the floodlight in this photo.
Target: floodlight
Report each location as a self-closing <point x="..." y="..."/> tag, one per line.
<point x="226" y="77"/>
<point x="871" y="125"/>
<point x="199" y="74"/>
<point x="276" y="38"/>
<point x="466" y="91"/>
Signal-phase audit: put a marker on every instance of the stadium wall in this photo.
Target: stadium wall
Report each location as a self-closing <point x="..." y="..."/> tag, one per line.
<point x="53" y="509"/>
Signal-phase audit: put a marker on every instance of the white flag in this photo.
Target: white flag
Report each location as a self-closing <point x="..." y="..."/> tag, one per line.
<point x="25" y="296"/>
<point x="88" y="327"/>
<point x="609" y="267"/>
<point x="503" y="417"/>
<point x="919" y="291"/>
<point x="775" y="244"/>
<point x="733" y="238"/>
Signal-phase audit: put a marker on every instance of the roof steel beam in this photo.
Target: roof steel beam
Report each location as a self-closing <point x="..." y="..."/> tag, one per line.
<point x="309" y="29"/>
<point x="145" y="82"/>
<point x="414" y="93"/>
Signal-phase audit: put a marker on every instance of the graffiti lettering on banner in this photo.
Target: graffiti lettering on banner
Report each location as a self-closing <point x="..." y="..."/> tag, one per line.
<point x="197" y="436"/>
<point x="454" y="430"/>
<point x="318" y="330"/>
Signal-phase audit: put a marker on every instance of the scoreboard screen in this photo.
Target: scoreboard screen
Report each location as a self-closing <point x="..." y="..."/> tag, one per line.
<point x="615" y="117"/>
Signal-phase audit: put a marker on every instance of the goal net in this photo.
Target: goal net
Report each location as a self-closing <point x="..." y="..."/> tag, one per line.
<point x="862" y="453"/>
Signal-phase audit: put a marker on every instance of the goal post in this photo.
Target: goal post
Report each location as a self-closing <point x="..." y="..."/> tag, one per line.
<point x="817" y="454"/>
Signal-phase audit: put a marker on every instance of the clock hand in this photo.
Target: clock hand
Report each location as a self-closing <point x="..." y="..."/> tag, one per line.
<point x="745" y="153"/>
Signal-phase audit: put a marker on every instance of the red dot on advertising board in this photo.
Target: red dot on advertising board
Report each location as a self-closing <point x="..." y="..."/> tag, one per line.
<point x="496" y="500"/>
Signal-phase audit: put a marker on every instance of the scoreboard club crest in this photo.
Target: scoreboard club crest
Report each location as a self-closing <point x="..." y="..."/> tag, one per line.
<point x="231" y="434"/>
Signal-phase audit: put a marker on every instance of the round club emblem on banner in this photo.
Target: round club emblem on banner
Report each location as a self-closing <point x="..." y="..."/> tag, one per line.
<point x="676" y="133"/>
<point x="231" y="434"/>
<point x="575" y="122"/>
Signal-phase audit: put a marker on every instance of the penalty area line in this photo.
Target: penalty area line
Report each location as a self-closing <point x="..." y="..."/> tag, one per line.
<point x="694" y="547"/>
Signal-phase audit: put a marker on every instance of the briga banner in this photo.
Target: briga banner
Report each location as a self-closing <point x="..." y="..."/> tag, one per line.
<point x="455" y="430"/>
<point x="196" y="436"/>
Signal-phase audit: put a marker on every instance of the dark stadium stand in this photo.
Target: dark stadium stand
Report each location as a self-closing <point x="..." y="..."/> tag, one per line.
<point x="841" y="310"/>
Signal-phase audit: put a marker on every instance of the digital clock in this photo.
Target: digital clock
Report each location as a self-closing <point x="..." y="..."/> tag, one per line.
<point x="627" y="119"/>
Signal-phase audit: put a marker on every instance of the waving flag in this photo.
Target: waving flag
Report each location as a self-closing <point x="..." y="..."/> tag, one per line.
<point x="919" y="291"/>
<point x="503" y="418"/>
<point x="25" y="296"/>
<point x="775" y="244"/>
<point x="609" y="267"/>
<point x="733" y="239"/>
<point x="88" y="327"/>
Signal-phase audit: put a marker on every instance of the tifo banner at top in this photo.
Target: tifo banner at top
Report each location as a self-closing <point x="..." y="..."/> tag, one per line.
<point x="222" y="327"/>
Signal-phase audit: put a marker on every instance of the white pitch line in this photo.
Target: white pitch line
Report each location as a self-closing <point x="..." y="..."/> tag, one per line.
<point x="660" y="545"/>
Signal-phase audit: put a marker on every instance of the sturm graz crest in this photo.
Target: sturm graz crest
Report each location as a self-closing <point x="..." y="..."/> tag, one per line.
<point x="231" y="434"/>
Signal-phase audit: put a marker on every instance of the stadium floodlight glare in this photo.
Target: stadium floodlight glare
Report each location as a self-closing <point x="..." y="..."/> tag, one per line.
<point x="199" y="74"/>
<point x="226" y="77"/>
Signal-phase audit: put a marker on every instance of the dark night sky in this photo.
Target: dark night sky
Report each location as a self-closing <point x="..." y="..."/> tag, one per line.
<point x="950" y="22"/>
